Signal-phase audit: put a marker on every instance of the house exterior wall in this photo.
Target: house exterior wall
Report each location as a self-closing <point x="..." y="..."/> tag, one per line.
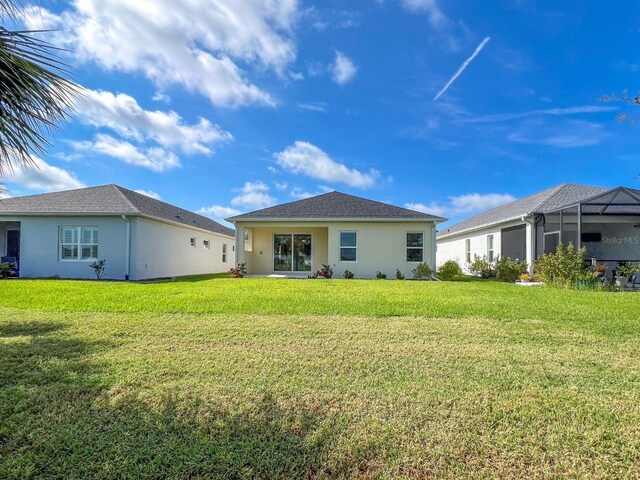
<point x="163" y="250"/>
<point x="40" y="247"/>
<point x="453" y="248"/>
<point x="381" y="246"/>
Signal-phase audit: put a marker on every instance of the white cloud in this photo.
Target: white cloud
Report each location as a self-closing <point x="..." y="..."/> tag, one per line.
<point x="307" y="159"/>
<point x="342" y="69"/>
<point x="219" y="211"/>
<point x="464" y="65"/>
<point x="44" y="177"/>
<point x="149" y="193"/>
<point x="160" y="96"/>
<point x="299" y="193"/>
<point x="196" y="44"/>
<point x="314" y="106"/>
<point x="571" y="134"/>
<point x="253" y="195"/>
<point x="154" y="158"/>
<point x="499" y="117"/>
<point x="463" y="204"/>
<point x="122" y="114"/>
<point x="281" y="185"/>
<point x="430" y="7"/>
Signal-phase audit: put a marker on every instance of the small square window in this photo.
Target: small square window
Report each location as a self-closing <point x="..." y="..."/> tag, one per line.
<point x="192" y="241"/>
<point x="206" y="244"/>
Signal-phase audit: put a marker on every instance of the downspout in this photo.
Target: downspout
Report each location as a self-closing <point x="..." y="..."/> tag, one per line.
<point x="532" y="239"/>
<point x="127" y="250"/>
<point x="434" y="247"/>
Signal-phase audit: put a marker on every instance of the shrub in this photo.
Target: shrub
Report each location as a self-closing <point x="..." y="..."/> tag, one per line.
<point x="525" y="277"/>
<point x="381" y="276"/>
<point x="5" y="270"/>
<point x="98" y="268"/>
<point x="481" y="267"/>
<point x="399" y="275"/>
<point x="348" y="275"/>
<point x="422" y="271"/>
<point x="449" y="270"/>
<point x="239" y="271"/>
<point x="562" y="268"/>
<point x="509" y="270"/>
<point x="326" y="271"/>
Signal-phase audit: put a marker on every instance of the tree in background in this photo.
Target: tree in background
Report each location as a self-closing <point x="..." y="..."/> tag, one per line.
<point x="35" y="96"/>
<point x="629" y="100"/>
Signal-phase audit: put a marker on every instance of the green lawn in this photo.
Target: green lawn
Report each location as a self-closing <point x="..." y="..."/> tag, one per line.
<point x="272" y="378"/>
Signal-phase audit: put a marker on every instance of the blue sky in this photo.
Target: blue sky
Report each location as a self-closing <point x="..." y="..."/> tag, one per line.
<point x="232" y="105"/>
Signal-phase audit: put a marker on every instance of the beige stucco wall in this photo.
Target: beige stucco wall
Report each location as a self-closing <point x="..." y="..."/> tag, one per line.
<point x="381" y="246"/>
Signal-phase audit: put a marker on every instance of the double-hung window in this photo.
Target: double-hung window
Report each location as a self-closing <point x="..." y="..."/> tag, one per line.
<point x="415" y="246"/>
<point x="467" y="250"/>
<point x="78" y="243"/>
<point x="348" y="246"/>
<point x="224" y="253"/>
<point x="490" y="248"/>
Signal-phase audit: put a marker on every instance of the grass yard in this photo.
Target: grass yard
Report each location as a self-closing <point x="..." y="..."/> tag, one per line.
<point x="272" y="378"/>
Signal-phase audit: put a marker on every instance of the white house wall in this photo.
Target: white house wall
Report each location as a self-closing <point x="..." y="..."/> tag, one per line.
<point x="40" y="247"/>
<point x="453" y="248"/>
<point x="164" y="250"/>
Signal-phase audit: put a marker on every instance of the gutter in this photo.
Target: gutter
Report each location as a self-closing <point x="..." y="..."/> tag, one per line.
<point x="127" y="250"/>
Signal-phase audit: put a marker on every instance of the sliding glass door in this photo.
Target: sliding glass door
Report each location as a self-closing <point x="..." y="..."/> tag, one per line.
<point x="291" y="252"/>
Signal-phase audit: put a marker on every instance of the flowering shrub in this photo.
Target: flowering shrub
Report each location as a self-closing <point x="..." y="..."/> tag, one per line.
<point x="239" y="270"/>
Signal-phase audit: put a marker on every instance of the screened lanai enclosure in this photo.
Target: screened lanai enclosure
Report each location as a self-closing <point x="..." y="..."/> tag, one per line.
<point x="607" y="225"/>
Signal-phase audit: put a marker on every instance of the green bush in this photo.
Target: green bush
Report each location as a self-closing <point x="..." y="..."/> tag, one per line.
<point x="381" y="276"/>
<point x="5" y="270"/>
<point x="348" y="275"/>
<point x="509" y="270"/>
<point x="449" y="270"/>
<point x="98" y="268"/>
<point x="422" y="271"/>
<point x="481" y="267"/>
<point x="563" y="268"/>
<point x="399" y="275"/>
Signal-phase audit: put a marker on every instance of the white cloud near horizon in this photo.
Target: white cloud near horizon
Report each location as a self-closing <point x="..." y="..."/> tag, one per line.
<point x="342" y="69"/>
<point x="44" y="177"/>
<point x="149" y="193"/>
<point x="156" y="159"/>
<point x="464" y="65"/>
<point x="197" y="45"/>
<point x="463" y="204"/>
<point x="122" y="114"/>
<point x="307" y="159"/>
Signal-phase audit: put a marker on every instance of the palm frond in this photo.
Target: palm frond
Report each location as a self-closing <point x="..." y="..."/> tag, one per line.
<point x="35" y="97"/>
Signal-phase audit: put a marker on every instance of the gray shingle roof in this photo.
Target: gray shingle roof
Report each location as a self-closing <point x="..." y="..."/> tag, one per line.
<point x="541" y="202"/>
<point x="335" y="205"/>
<point x="107" y="199"/>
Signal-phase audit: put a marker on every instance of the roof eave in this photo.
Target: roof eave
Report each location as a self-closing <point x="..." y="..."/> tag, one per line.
<point x="335" y="219"/>
<point x="487" y="225"/>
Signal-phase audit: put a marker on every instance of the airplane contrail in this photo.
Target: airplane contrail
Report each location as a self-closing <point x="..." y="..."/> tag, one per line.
<point x="462" y="67"/>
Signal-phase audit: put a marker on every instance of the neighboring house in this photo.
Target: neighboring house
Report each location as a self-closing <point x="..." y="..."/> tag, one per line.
<point x="605" y="221"/>
<point x="61" y="233"/>
<point x="340" y="230"/>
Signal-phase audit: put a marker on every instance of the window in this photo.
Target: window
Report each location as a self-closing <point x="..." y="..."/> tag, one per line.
<point x="467" y="250"/>
<point x="348" y="246"/>
<point x="206" y="244"/>
<point x="192" y="241"/>
<point x="490" y="248"/>
<point x="78" y="243"/>
<point x="224" y="253"/>
<point x="415" y="246"/>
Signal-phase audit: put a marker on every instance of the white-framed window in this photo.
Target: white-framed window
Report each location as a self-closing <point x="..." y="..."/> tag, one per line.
<point x="467" y="250"/>
<point x="78" y="243"/>
<point x="415" y="246"/>
<point x="224" y="253"/>
<point x="348" y="246"/>
<point x="206" y="244"/>
<point x="192" y="241"/>
<point x="490" y="255"/>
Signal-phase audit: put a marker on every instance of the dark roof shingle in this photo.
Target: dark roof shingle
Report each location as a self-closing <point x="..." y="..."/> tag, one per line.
<point x="335" y="205"/>
<point x="104" y="200"/>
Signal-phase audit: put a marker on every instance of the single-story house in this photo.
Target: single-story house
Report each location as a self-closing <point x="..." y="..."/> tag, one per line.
<point x="605" y="221"/>
<point x="61" y="233"/>
<point x="336" y="229"/>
